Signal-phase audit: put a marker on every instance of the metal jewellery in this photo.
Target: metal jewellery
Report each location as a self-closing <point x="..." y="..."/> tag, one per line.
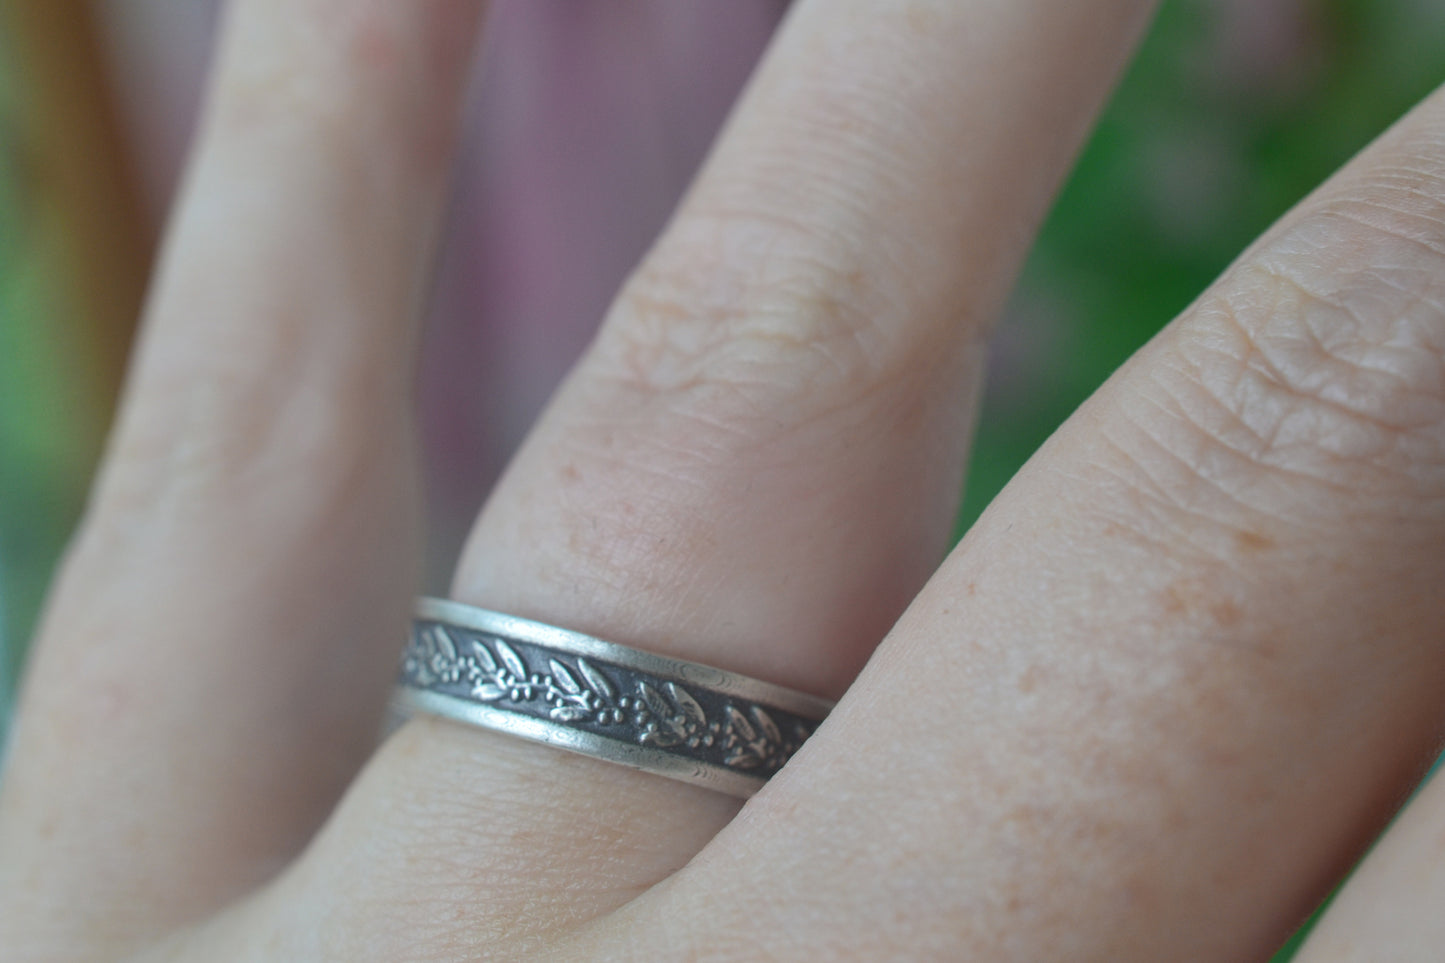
<point x="678" y="719"/>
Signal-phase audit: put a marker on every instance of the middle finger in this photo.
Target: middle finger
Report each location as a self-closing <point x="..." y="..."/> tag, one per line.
<point x="755" y="465"/>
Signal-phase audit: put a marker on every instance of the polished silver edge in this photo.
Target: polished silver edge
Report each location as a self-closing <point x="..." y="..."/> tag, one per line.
<point x="575" y="643"/>
<point x="412" y="700"/>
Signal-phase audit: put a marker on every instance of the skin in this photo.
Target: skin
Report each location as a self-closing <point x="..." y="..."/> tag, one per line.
<point x="1152" y="707"/>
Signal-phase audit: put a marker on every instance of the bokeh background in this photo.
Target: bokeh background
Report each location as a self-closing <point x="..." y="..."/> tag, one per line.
<point x="584" y="125"/>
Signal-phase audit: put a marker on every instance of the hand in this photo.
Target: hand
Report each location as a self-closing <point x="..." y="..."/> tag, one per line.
<point x="1152" y="707"/>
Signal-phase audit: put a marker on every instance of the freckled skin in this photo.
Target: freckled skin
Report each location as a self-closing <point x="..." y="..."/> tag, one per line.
<point x="1151" y="708"/>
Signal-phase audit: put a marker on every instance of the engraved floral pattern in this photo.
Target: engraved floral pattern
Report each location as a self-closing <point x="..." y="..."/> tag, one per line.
<point x="620" y="703"/>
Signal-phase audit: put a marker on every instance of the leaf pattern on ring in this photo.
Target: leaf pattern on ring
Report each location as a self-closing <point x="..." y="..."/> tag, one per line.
<point x="487" y="692"/>
<point x="654" y="701"/>
<point x="512" y="660"/>
<point x="596" y="680"/>
<point x="484" y="656"/>
<point x="739" y="723"/>
<point x="443" y="641"/>
<point x="574" y="691"/>
<point x="564" y="678"/>
<point x="766" y="725"/>
<point x="690" y="709"/>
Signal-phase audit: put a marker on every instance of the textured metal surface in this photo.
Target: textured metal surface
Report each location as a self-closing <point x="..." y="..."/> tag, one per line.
<point x="678" y="719"/>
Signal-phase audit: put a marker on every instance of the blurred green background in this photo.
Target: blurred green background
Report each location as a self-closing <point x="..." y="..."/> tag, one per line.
<point x="1231" y="113"/>
<point x="1233" y="110"/>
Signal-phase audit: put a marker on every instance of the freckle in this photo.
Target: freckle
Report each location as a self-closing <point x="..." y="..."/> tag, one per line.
<point x="972" y="588"/>
<point x="918" y="21"/>
<point x="570" y="474"/>
<point x="1030" y="680"/>
<point x="109" y="702"/>
<point x="1174" y="602"/>
<point x="1225" y="613"/>
<point x="1253" y="541"/>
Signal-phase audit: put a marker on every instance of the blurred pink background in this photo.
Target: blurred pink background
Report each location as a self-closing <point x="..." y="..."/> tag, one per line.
<point x="585" y="122"/>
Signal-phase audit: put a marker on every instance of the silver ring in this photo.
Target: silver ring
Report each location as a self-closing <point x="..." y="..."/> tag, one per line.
<point x="678" y="719"/>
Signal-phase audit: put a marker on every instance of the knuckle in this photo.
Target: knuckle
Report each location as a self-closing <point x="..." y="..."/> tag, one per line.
<point x="754" y="307"/>
<point x="1319" y="363"/>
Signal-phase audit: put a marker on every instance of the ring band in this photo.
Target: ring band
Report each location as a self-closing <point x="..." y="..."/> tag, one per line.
<point x="677" y="719"/>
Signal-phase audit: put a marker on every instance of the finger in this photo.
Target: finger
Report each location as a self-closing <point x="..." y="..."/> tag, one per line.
<point x="216" y="656"/>
<point x="1390" y="909"/>
<point x="803" y="344"/>
<point x="1184" y="667"/>
<point x="756" y="463"/>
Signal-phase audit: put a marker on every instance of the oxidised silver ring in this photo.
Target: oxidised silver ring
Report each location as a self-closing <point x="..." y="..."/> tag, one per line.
<point x="677" y="719"/>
